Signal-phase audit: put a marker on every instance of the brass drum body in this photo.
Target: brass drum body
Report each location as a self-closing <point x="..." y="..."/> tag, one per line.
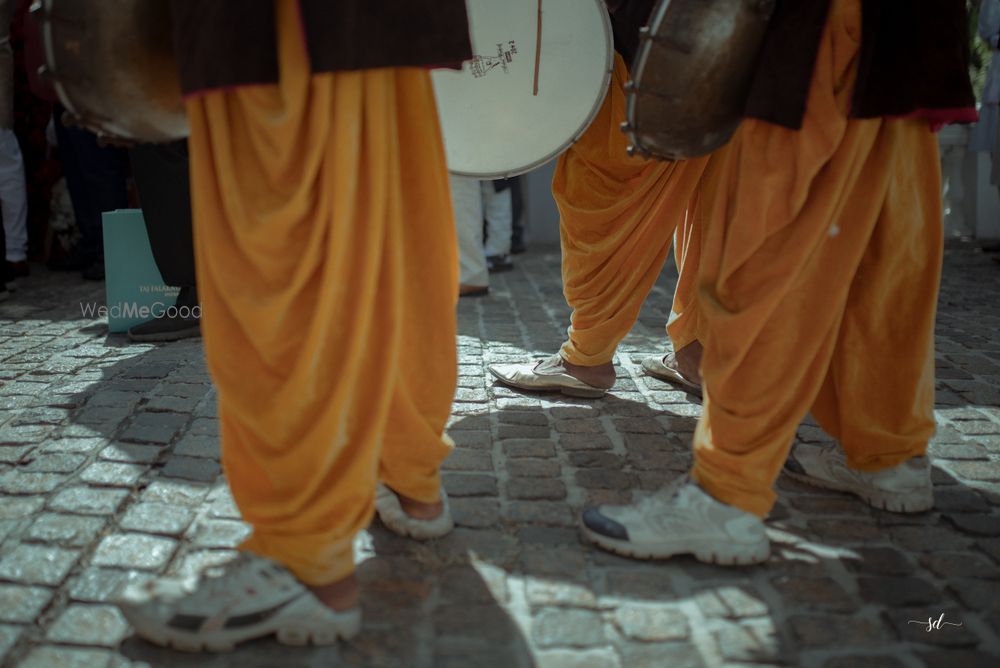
<point x="692" y="75"/>
<point x="112" y="65"/>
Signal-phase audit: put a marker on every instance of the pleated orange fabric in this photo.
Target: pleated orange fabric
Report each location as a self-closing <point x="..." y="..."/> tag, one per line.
<point x="327" y="266"/>
<point x="617" y="220"/>
<point x="818" y="282"/>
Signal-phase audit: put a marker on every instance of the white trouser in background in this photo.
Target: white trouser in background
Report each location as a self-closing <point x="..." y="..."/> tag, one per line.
<point x="13" y="196"/>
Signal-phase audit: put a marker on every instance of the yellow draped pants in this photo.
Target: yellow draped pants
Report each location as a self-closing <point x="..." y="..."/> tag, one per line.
<point x="327" y="267"/>
<point x="618" y="215"/>
<point x="819" y="277"/>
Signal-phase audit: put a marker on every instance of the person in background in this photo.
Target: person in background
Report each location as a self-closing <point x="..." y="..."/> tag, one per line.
<point x="473" y="201"/>
<point x="13" y="190"/>
<point x="985" y="136"/>
<point x="319" y="190"/>
<point x="162" y="178"/>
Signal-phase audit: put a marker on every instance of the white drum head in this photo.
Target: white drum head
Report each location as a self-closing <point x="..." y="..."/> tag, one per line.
<point x="494" y="124"/>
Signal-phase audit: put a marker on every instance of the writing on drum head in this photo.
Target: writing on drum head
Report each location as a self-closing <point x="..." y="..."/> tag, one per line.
<point x="483" y="65"/>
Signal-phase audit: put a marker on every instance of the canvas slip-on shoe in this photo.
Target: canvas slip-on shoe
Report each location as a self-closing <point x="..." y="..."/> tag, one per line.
<point x="679" y="519"/>
<point x="905" y="488"/>
<point x="665" y="368"/>
<point x="534" y="379"/>
<point x="247" y="598"/>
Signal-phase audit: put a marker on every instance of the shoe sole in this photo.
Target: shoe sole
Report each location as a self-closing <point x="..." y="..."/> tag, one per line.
<point x="894" y="503"/>
<point x="295" y="633"/>
<point x="721" y="553"/>
<point x="578" y="393"/>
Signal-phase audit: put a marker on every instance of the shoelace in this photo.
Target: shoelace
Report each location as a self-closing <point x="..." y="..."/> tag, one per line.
<point x="648" y="500"/>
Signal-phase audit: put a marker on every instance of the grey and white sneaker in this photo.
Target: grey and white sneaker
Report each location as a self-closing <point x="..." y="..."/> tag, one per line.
<point x="679" y="519"/>
<point x="905" y="488"/>
<point x="249" y="597"/>
<point x="395" y="519"/>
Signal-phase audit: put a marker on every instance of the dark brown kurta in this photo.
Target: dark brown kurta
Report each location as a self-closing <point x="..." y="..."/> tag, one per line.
<point x="914" y="57"/>
<point x="224" y="43"/>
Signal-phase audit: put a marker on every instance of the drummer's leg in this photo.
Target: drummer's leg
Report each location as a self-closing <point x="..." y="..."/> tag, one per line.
<point x="618" y="216"/>
<point x="467" y="201"/>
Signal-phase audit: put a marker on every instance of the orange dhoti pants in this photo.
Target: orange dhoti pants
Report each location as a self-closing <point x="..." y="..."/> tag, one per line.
<point x="618" y="215"/>
<point x="318" y="203"/>
<point x="818" y="279"/>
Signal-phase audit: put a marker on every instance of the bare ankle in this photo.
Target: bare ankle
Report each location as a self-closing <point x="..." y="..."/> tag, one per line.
<point x="419" y="510"/>
<point x="602" y="375"/>
<point x="340" y="595"/>
<point x="689" y="361"/>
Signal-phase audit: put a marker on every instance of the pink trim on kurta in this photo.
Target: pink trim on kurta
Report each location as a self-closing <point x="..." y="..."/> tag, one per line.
<point x="939" y="118"/>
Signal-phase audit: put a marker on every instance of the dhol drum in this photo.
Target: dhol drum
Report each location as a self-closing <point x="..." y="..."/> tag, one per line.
<point x="540" y="73"/>
<point x="112" y="65"/>
<point x="692" y="75"/>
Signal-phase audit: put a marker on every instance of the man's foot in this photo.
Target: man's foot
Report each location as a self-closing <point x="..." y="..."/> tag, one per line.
<point x="555" y="374"/>
<point x="248" y="598"/>
<point x="498" y="263"/>
<point x="473" y="290"/>
<point x="905" y="488"/>
<point x="409" y="518"/>
<point x="679" y="519"/>
<point x="165" y="328"/>
<point x="15" y="270"/>
<point x="680" y="368"/>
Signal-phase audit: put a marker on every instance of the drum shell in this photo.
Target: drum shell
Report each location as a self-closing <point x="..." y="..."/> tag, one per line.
<point x="112" y="65"/>
<point x="692" y="75"/>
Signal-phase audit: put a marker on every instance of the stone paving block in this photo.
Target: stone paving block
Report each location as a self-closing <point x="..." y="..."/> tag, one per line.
<point x="604" y="479"/>
<point x="9" y="636"/>
<point x="155" y="428"/>
<point x="927" y="538"/>
<point x="218" y="533"/>
<point x="986" y="471"/>
<point x="197" y="469"/>
<point x="468" y="460"/>
<point x="549" y="513"/>
<point x="472" y="439"/>
<point x="89" y="500"/>
<point x="565" y="563"/>
<point x="55" y="463"/>
<point x="131" y="453"/>
<point x="485" y="622"/>
<point x="543" y="536"/>
<point x="577" y="442"/>
<point x="557" y="627"/>
<point x="18" y="507"/>
<point x="198" y="446"/>
<point x="832" y="631"/>
<point x="469" y="484"/>
<point x="652" y="623"/>
<point x="638" y="585"/>
<point x="158" y="518"/>
<point x="536" y="489"/>
<point x="953" y="658"/>
<point x="567" y="658"/>
<point x="976" y="594"/>
<point x="803" y="593"/>
<point x="37" y="565"/>
<point x="533" y="468"/>
<point x="475" y="513"/>
<point x="176" y="492"/>
<point x="135" y="550"/>
<point x="12" y="454"/>
<point x="103" y="585"/>
<point x="731" y="602"/>
<point x="79" y="445"/>
<point x="522" y="448"/>
<point x="166" y="404"/>
<point x="95" y="625"/>
<point x="23" y="482"/>
<point x="66" y="530"/>
<point x="867" y="661"/>
<point x="523" y="431"/>
<point x="195" y="563"/>
<point x="557" y="592"/>
<point x="64" y="657"/>
<point x="113" y="474"/>
<point x="22" y="605"/>
<point x="959" y="500"/>
<point x="977" y="524"/>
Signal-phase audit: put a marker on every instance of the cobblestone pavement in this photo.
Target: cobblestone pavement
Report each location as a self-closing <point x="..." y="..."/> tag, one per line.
<point x="109" y="473"/>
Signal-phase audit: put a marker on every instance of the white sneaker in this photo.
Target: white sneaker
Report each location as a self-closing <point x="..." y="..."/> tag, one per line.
<point x="905" y="488"/>
<point x="681" y="518"/>
<point x="249" y="597"/>
<point x="396" y="520"/>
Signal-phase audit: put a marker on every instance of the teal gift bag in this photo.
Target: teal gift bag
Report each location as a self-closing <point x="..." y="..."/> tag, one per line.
<point x="135" y="290"/>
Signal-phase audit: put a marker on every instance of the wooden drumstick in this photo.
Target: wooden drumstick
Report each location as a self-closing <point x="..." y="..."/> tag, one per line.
<point x="538" y="47"/>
